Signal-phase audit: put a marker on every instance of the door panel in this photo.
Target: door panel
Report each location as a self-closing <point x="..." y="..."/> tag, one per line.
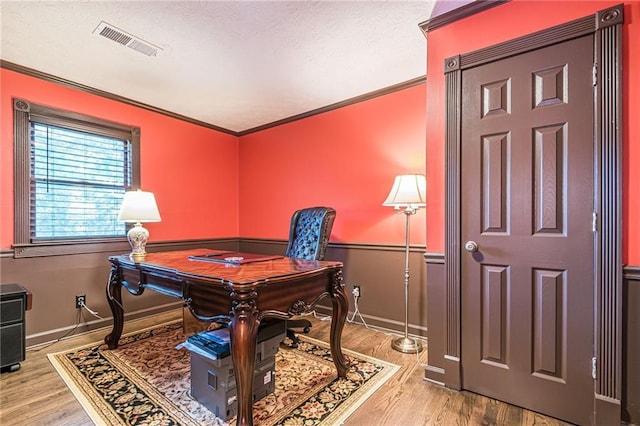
<point x="527" y="196"/>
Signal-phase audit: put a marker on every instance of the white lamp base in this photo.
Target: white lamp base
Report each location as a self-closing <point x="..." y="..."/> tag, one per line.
<point x="406" y="345"/>
<point x="138" y="237"/>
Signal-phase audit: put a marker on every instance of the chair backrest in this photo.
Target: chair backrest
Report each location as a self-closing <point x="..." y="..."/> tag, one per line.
<point x="309" y="232"/>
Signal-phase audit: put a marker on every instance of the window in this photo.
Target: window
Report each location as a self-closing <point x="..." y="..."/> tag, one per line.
<point x="71" y="173"/>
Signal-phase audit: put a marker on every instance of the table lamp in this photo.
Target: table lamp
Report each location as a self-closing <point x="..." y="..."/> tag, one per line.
<point x="408" y="193"/>
<point x="137" y="207"/>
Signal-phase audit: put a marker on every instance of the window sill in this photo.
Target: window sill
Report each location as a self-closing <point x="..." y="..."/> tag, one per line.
<point x="70" y="247"/>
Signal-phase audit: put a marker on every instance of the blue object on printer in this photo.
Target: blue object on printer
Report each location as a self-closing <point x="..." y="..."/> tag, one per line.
<point x="214" y="341"/>
<point x="218" y="342"/>
<point x="220" y="335"/>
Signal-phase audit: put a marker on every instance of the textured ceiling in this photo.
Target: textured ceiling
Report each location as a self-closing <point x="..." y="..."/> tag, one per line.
<point x="232" y="64"/>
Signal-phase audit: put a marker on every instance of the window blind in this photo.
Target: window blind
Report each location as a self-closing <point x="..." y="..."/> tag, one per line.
<point x="78" y="180"/>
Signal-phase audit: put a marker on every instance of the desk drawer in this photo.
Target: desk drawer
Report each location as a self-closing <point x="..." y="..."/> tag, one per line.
<point x="134" y="279"/>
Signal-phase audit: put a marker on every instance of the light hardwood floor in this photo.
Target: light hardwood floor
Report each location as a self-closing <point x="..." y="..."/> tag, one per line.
<point x="35" y="395"/>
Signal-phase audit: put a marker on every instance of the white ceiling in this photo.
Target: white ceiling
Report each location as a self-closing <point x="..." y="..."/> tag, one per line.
<point x="233" y="64"/>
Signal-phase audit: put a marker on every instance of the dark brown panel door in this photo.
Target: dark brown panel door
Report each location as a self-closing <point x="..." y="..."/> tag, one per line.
<point x="527" y="189"/>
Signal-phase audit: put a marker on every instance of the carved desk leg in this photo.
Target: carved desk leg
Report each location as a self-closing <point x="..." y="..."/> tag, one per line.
<point x="114" y="297"/>
<point x="243" y="332"/>
<point x="340" y="308"/>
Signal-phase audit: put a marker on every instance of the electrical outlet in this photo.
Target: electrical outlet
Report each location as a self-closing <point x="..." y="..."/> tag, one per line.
<point x="81" y="299"/>
<point x="356" y="291"/>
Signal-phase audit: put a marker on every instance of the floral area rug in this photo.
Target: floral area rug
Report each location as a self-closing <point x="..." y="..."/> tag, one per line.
<point x="146" y="381"/>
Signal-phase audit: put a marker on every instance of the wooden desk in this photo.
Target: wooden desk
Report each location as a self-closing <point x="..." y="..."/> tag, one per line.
<point x="242" y="294"/>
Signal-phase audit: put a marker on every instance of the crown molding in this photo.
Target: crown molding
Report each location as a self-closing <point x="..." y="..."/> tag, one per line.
<point x="68" y="83"/>
<point x="458" y="14"/>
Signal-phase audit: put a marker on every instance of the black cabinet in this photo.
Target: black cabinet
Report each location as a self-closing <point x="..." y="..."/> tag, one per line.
<point x="13" y="304"/>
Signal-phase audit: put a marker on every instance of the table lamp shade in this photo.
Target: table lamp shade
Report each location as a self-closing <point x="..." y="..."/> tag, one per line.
<point x="408" y="191"/>
<point x="139" y="206"/>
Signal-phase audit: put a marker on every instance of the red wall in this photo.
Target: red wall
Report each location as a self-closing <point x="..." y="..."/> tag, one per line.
<point x="505" y="22"/>
<point x="179" y="161"/>
<point x="346" y="158"/>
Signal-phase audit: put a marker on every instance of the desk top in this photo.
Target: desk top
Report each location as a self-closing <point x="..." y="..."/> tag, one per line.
<point x="180" y="264"/>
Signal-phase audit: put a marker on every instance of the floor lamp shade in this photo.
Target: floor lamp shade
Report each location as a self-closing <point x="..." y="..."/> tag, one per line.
<point x="408" y="192"/>
<point x="137" y="207"/>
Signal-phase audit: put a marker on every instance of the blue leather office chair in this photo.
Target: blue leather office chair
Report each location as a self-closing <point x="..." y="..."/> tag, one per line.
<point x="308" y="239"/>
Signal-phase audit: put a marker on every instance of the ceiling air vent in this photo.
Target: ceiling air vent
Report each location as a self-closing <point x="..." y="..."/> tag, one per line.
<point x="126" y="39"/>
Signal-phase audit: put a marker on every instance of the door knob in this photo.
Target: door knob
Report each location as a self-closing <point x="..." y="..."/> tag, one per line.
<point x="471" y="246"/>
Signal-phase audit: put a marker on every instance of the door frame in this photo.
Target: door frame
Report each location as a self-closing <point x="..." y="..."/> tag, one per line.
<point x="606" y="26"/>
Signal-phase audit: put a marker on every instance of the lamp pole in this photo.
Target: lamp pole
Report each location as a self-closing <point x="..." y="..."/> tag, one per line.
<point x="408" y="191"/>
<point x="405" y="344"/>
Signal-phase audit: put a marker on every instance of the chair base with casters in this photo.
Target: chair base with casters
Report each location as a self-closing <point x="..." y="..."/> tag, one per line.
<point x="308" y="239"/>
<point x="304" y="324"/>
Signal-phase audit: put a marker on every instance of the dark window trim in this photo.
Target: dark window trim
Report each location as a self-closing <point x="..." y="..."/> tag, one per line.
<point x="23" y="110"/>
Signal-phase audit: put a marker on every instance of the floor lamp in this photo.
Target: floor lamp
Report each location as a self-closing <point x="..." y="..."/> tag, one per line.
<point x="408" y="193"/>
